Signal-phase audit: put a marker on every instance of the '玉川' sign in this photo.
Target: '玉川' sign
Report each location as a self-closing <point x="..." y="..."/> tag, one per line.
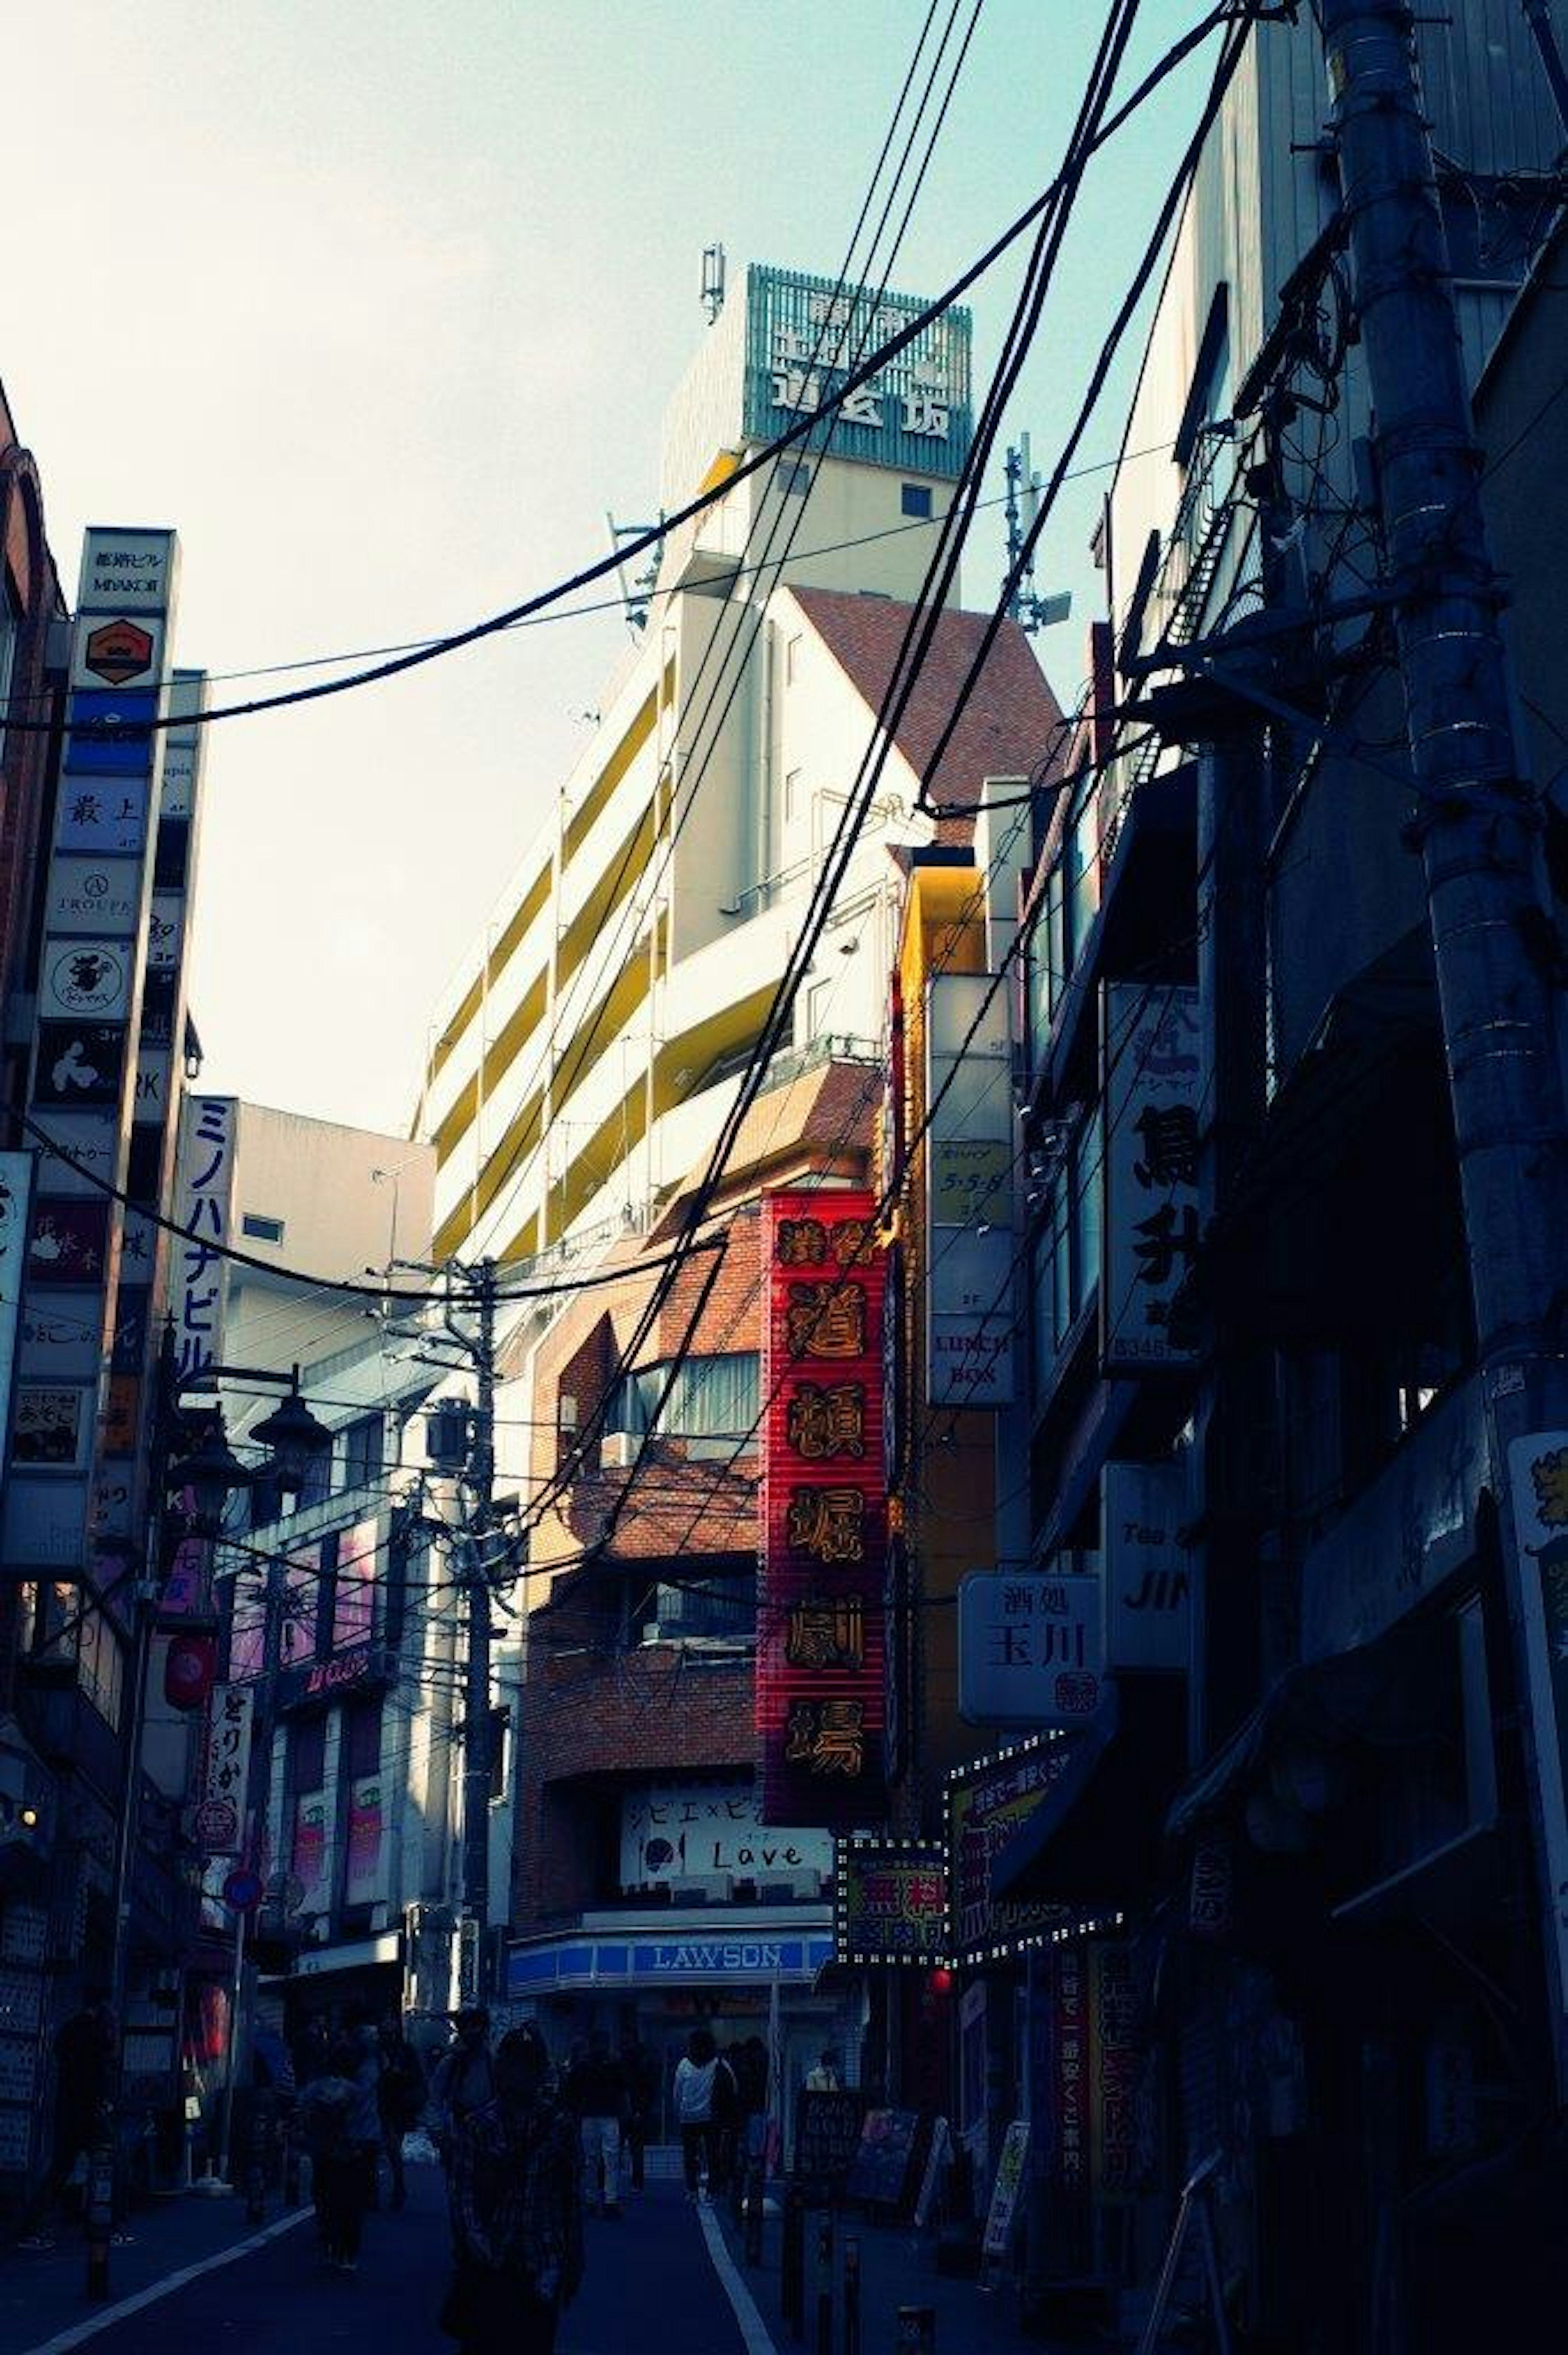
<point x="819" y="1647"/>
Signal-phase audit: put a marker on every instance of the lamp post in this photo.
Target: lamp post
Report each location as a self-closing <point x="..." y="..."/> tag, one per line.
<point x="295" y="1438"/>
<point x="210" y="1472"/>
<point x="210" y="1475"/>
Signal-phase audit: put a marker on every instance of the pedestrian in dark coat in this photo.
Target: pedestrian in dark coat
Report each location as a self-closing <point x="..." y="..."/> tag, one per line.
<point x="516" y="2192"/>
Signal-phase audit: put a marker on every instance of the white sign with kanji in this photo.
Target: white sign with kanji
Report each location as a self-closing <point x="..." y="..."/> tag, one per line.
<point x="220" y="1800"/>
<point x="1031" y="1649"/>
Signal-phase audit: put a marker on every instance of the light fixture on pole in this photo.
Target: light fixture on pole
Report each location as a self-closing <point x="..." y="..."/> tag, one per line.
<point x="295" y="1438"/>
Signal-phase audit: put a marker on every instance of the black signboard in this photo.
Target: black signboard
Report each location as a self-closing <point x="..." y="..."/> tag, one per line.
<point x="885" y="2170"/>
<point x="827" y="2137"/>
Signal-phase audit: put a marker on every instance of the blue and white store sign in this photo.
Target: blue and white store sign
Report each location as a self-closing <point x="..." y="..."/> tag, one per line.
<point x="681" y="1958"/>
<point x="805" y="335"/>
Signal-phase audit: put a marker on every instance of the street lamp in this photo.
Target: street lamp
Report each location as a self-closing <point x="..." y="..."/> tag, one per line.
<point x="210" y="1475"/>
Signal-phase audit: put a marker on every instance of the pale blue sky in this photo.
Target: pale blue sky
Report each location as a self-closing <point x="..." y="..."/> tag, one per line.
<point x="379" y="305"/>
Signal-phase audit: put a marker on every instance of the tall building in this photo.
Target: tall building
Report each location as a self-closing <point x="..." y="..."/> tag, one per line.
<point x="580" y="1075"/>
<point x="1254" y="1884"/>
<point x="591" y="1045"/>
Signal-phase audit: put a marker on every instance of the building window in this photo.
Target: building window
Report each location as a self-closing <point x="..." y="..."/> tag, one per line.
<point x="500" y="1734"/>
<point x="710" y="1399"/>
<point x="793" y="796"/>
<point x="792" y="652"/>
<point x="264" y="1231"/>
<point x="794" y="482"/>
<point x="362" y="1458"/>
<point x="915" y="499"/>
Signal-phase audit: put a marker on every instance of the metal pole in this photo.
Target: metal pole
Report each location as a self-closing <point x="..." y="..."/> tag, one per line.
<point x="146" y="1590"/>
<point x="1478" y="824"/>
<point x="480" y="1482"/>
<point x="226" y="2127"/>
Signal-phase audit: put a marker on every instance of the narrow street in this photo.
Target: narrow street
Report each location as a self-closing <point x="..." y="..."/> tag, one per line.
<point x="650" y="2277"/>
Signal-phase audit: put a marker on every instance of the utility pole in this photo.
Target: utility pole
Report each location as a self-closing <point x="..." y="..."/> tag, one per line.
<point x="1478" y="830"/>
<point x="478" y="1480"/>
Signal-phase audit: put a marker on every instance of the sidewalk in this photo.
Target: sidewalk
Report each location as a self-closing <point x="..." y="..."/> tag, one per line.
<point x="42" y="2293"/>
<point x="897" y="2268"/>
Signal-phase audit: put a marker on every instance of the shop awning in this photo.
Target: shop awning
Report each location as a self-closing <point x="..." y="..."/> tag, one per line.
<point x="1093" y="1837"/>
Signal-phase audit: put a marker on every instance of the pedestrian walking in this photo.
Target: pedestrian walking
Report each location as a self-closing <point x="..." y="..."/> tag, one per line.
<point x="594" y="2091"/>
<point x="701" y="2093"/>
<point x="400" y="2100"/>
<point x="365" y="2124"/>
<point x="84" y="2051"/>
<point x="328" y="2111"/>
<point x="642" y="2083"/>
<point x="465" y="2078"/>
<point x="826" y="2077"/>
<point x="516" y="2183"/>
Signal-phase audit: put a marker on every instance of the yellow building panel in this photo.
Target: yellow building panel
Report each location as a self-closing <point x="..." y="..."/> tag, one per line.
<point x="455" y="1126"/>
<point x="510" y="1155"/>
<point x="613" y="886"/>
<point x="604" y="1024"/>
<point x="504" y="1049"/>
<point x="524" y="1244"/>
<point x="456" y="1027"/>
<point x="455" y="1229"/>
<point x="683" y="1062"/>
<point x="517" y="925"/>
<point x="610" y="775"/>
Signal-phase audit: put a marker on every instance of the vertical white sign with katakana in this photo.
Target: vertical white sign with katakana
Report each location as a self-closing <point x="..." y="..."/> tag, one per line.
<point x="205" y="1212"/>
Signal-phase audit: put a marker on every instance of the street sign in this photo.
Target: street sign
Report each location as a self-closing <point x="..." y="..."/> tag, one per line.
<point x="242" y="1890"/>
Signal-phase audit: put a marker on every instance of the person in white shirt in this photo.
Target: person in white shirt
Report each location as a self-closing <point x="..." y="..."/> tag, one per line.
<point x="700" y="2094"/>
<point x="825" y="2078"/>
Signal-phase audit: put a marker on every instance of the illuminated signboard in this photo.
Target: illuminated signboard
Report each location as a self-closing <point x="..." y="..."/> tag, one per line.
<point x="890" y="1901"/>
<point x="820" y="1649"/>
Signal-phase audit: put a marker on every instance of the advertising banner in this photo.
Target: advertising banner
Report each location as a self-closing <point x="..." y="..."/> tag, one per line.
<point x="819" y="1646"/>
<point x="363" y="1883"/>
<point x="1538" y="1481"/>
<point x="680" y="1831"/>
<point x="988" y="1802"/>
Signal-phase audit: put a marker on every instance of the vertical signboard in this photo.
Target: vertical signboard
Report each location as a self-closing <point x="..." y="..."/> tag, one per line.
<point x="1153" y="1087"/>
<point x="820" y="1644"/>
<point x="84" y="1043"/>
<point x="220" y="1802"/>
<point x="16" y="1194"/>
<point x="1538" y="1482"/>
<point x="142" y="1289"/>
<point x="203" y="1210"/>
<point x="971" y="1276"/>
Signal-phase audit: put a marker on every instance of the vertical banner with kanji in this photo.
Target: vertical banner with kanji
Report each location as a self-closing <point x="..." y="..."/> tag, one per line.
<point x="1153" y="1088"/>
<point x="819" y="1647"/>
<point x="219" y="1822"/>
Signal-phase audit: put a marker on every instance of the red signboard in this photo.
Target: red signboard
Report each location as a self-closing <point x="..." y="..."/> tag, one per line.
<point x="820" y="1649"/>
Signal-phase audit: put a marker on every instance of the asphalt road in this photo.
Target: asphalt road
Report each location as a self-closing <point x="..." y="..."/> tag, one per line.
<point x="651" y="2289"/>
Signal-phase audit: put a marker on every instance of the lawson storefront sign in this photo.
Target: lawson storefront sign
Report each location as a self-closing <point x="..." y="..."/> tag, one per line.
<point x="677" y="1959"/>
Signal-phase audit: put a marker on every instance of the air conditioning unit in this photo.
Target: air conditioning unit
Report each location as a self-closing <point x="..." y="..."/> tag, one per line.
<point x="618" y="1450"/>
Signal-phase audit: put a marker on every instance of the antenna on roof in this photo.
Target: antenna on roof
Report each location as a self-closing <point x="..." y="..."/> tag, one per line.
<point x="1032" y="612"/>
<point x="636" y="592"/>
<point x="713" y="281"/>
